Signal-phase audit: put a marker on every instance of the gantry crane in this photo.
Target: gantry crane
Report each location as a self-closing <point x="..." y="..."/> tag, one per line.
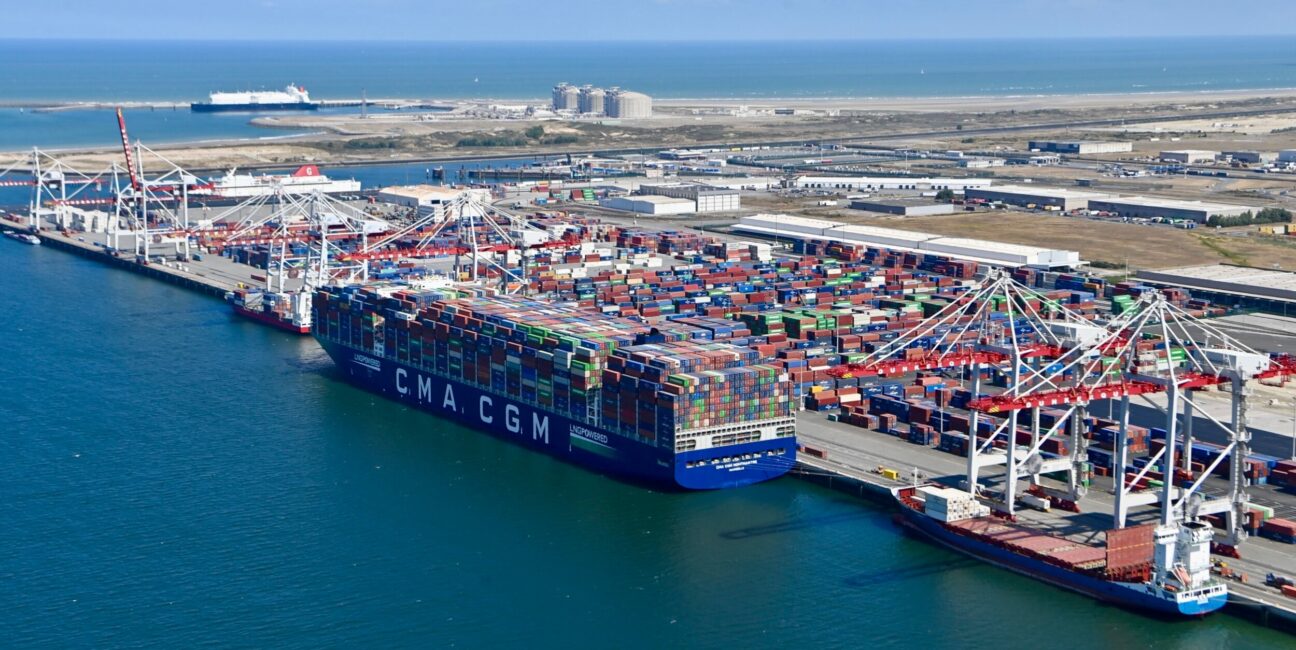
<point x="1064" y="361"/>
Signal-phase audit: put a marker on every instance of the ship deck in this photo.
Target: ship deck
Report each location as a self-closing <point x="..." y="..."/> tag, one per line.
<point x="854" y="456"/>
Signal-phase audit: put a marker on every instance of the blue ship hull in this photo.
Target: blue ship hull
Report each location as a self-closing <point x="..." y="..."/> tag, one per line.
<point x="557" y="435"/>
<point x="1123" y="594"/>
<point x="203" y="107"/>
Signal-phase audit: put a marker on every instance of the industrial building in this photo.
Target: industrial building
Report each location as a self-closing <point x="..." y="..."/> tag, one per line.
<point x="429" y="199"/>
<point x="707" y="198"/>
<point x="1040" y="197"/>
<point x="627" y="105"/>
<point x="1273" y="291"/>
<point x="1141" y="207"/>
<point x="981" y="163"/>
<point x="875" y="184"/>
<point x="916" y="207"/>
<point x="1287" y="156"/>
<point x="1189" y="156"/>
<point x="566" y="97"/>
<point x="1250" y="157"/>
<point x="650" y="204"/>
<point x="988" y="252"/>
<point x="591" y="100"/>
<point x="1081" y="147"/>
<point x="786" y="225"/>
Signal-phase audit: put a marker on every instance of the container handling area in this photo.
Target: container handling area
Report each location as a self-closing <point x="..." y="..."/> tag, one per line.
<point x="1100" y="436"/>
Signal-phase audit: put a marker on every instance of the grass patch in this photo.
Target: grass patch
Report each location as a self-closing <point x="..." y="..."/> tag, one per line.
<point x="1214" y="245"/>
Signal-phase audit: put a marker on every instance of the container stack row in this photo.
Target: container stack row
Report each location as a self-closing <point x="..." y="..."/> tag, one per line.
<point x="642" y="381"/>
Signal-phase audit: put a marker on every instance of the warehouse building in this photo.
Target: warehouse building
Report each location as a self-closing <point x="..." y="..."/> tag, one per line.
<point x="627" y="105"/>
<point x="988" y="252"/>
<point x="1081" y="147"/>
<point x="650" y="204"/>
<point x="565" y="97"/>
<point x="876" y="184"/>
<point x="916" y="207"/>
<point x="429" y="199"/>
<point x="1273" y="291"/>
<point x="981" y="163"/>
<point x="1141" y="207"/>
<point x="1287" y="156"/>
<point x="1040" y="197"/>
<point x="1189" y="156"/>
<point x="707" y="198"/>
<point x="1250" y="157"/>
<point x="786" y="225"/>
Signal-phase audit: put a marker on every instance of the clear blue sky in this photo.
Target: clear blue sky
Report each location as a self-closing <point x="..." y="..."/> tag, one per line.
<point x="564" y="20"/>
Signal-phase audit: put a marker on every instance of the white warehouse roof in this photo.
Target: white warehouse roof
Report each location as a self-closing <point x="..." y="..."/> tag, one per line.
<point x="1053" y="192"/>
<point x="788" y="223"/>
<point x="977" y="250"/>
<point x="1223" y="278"/>
<point x="886" y="236"/>
<point x="1179" y="204"/>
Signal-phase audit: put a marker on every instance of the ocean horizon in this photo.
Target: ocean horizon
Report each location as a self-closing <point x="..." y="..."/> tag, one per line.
<point x="107" y="71"/>
<point x="161" y="70"/>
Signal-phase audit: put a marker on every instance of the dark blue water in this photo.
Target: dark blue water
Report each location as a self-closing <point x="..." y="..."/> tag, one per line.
<point x="173" y="477"/>
<point x="122" y="70"/>
<point x="187" y="71"/>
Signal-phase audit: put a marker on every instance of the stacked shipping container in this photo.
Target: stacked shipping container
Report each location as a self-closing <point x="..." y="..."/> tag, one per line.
<point x="626" y="377"/>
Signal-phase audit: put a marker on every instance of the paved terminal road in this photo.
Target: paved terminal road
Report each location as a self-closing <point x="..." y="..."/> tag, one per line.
<point x="1269" y="333"/>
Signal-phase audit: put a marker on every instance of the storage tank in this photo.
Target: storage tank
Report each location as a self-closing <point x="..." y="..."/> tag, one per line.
<point x="627" y="104"/>
<point x="565" y="97"/>
<point x="591" y="100"/>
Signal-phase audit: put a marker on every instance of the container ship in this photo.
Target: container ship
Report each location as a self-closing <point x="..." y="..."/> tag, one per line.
<point x="291" y="98"/>
<point x="303" y="180"/>
<point x="656" y="404"/>
<point x="289" y="311"/>
<point x="1163" y="570"/>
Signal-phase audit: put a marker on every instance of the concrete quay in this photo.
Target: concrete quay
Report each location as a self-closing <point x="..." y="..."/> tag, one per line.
<point x="213" y="275"/>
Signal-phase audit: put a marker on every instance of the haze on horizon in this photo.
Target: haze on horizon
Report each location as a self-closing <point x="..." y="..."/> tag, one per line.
<point x="641" y="20"/>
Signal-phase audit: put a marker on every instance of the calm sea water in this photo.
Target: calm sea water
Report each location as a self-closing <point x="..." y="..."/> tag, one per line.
<point x="179" y="71"/>
<point x="115" y="70"/>
<point x="172" y="476"/>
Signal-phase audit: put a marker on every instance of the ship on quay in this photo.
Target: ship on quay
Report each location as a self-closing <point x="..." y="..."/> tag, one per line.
<point x="1162" y="570"/>
<point x="645" y="403"/>
<point x="291" y="98"/>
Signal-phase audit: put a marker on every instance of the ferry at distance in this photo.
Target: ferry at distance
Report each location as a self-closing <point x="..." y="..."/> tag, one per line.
<point x="291" y="98"/>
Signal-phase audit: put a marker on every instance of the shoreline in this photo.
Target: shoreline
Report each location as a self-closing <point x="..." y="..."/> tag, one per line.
<point x="1100" y="98"/>
<point x="315" y="139"/>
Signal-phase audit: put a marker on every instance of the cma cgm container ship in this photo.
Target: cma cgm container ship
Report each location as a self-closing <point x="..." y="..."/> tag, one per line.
<point x="657" y="404"/>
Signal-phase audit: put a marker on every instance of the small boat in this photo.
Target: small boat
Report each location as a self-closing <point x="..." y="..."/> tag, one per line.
<point x="23" y="237"/>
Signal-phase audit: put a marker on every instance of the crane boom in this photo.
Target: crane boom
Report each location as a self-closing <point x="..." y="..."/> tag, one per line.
<point x="130" y="163"/>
